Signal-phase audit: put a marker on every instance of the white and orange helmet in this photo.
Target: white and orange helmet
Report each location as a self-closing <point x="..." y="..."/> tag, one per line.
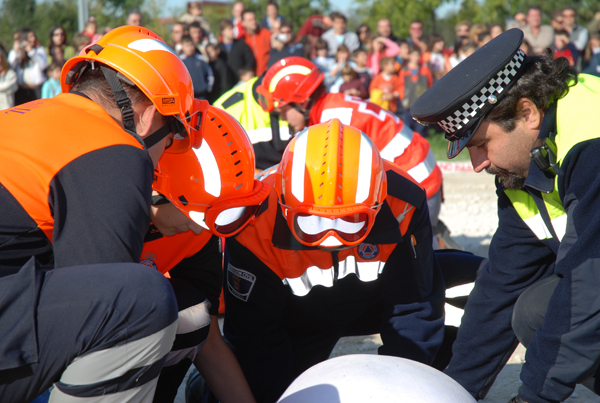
<point x="331" y="184"/>
<point x="214" y="184"/>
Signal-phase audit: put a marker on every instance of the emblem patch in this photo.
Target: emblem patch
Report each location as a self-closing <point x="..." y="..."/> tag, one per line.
<point x="368" y="251"/>
<point x="149" y="263"/>
<point x="240" y="282"/>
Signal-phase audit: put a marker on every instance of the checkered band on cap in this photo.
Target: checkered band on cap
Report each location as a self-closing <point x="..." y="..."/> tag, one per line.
<point x="496" y="85"/>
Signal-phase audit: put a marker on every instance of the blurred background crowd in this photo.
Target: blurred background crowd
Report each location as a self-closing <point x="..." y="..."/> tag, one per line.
<point x="388" y="55"/>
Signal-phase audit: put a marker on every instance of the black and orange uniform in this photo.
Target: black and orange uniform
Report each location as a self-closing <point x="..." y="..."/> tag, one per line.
<point x="75" y="192"/>
<point x="288" y="304"/>
<point x="194" y="265"/>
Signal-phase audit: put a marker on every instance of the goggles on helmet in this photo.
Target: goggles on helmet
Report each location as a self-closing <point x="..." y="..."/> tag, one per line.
<point x="265" y="99"/>
<point x="228" y="216"/>
<point x="327" y="226"/>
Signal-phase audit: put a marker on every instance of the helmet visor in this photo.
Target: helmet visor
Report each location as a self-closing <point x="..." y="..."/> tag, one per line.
<point x="187" y="129"/>
<point x="265" y="99"/>
<point x="313" y="229"/>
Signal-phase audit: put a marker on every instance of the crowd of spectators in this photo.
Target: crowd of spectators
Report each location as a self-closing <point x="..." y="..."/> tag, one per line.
<point x="388" y="70"/>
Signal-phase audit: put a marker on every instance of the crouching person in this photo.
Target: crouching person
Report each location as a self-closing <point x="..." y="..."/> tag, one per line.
<point x="343" y="247"/>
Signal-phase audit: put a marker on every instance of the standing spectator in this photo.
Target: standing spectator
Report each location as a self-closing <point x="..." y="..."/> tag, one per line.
<point x="384" y="29"/>
<point x="521" y="19"/>
<point x="381" y="48"/>
<point x="415" y="31"/>
<point x="225" y="78"/>
<point x="384" y="87"/>
<point x="563" y="47"/>
<point x="579" y="35"/>
<point x="413" y="80"/>
<point x="29" y="60"/>
<point x="236" y="19"/>
<point x="359" y="64"/>
<point x="90" y="30"/>
<point x="236" y="53"/>
<point x="8" y="83"/>
<point x="258" y="39"/>
<point x="194" y="14"/>
<point x="539" y="36"/>
<point x="592" y="55"/>
<point x="282" y="44"/>
<point x="200" y="37"/>
<point x="58" y="39"/>
<point x="272" y="12"/>
<point x="557" y="21"/>
<point x="246" y="75"/>
<point x="179" y="30"/>
<point x="402" y="57"/>
<point x="134" y="17"/>
<point x="475" y="31"/>
<point x="438" y="62"/>
<point x="495" y="30"/>
<point x="341" y="58"/>
<point x="313" y="28"/>
<point x="201" y="73"/>
<point x="363" y="32"/>
<point x="324" y="62"/>
<point x="51" y="87"/>
<point x="461" y="31"/>
<point x="80" y="41"/>
<point x="353" y="85"/>
<point x="338" y="35"/>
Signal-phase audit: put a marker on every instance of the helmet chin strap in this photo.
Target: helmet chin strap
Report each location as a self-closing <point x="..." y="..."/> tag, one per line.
<point x="124" y="105"/>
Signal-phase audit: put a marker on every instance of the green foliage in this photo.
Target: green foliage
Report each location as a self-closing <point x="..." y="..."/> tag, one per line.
<point x="400" y="13"/>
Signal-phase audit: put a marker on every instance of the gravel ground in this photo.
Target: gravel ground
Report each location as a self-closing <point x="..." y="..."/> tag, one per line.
<point x="469" y="212"/>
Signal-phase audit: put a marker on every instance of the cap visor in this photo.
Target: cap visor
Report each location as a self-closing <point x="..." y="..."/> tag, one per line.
<point x="456" y="146"/>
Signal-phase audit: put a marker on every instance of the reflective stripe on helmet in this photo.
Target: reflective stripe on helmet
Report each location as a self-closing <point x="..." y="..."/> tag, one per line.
<point x="294" y="69"/>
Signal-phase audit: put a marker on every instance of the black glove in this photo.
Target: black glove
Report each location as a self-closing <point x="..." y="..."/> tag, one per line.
<point x="517" y="399"/>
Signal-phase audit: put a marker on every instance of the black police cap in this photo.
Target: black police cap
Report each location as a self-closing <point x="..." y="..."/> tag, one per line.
<point x="459" y="101"/>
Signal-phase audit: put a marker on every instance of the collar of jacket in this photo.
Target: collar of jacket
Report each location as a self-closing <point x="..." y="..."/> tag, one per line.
<point x="536" y="179"/>
<point x="385" y="231"/>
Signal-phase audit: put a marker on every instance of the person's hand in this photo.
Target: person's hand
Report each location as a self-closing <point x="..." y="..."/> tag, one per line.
<point x="517" y="399"/>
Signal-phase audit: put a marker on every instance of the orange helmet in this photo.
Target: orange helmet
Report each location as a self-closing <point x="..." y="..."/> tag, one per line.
<point x="290" y="80"/>
<point x="214" y="184"/>
<point x="141" y="58"/>
<point x="331" y="184"/>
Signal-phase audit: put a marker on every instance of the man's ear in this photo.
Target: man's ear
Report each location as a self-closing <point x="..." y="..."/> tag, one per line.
<point x="530" y="113"/>
<point x="146" y="117"/>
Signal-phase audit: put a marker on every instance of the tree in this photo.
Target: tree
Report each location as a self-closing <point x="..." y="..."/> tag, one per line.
<point x="400" y="12"/>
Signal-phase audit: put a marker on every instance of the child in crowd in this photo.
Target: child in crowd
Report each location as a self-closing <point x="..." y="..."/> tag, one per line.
<point x="80" y="41"/>
<point x="384" y="87"/>
<point x="51" y="87"/>
<point x="465" y="49"/>
<point x="564" y="48"/>
<point x="323" y="61"/>
<point x="381" y="47"/>
<point x="483" y="38"/>
<point x="359" y="64"/>
<point x="402" y="57"/>
<point x="225" y="78"/>
<point x="201" y="73"/>
<point x="353" y="85"/>
<point x="437" y="61"/>
<point x="413" y="80"/>
<point x="246" y="74"/>
<point x="591" y="60"/>
<point x="342" y="55"/>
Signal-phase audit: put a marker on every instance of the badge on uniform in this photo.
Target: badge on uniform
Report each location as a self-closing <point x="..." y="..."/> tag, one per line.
<point x="240" y="282"/>
<point x="368" y="251"/>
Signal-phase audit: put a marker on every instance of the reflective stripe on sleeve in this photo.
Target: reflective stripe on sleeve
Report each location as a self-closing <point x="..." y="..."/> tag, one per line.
<point x="424" y="169"/>
<point x="398" y="144"/>
<point x="193" y="318"/>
